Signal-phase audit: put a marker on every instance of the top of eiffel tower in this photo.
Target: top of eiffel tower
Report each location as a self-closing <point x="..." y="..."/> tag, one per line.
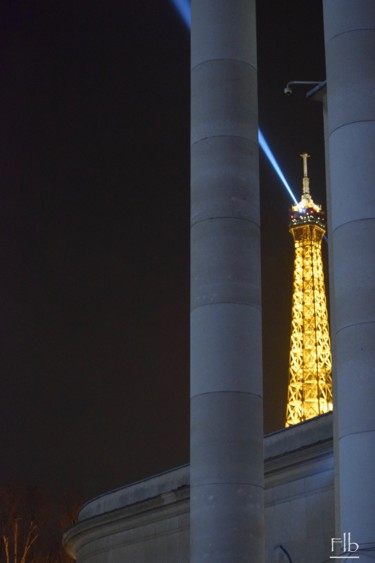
<point x="306" y="211"/>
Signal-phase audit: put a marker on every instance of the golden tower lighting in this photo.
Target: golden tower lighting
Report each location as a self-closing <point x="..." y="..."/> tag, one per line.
<point x="310" y="364"/>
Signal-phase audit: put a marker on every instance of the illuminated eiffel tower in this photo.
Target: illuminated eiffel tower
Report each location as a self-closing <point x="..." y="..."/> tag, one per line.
<point x="310" y="364"/>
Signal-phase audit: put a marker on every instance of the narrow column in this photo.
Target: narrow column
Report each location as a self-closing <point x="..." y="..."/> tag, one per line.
<point x="350" y="57"/>
<point x="226" y="382"/>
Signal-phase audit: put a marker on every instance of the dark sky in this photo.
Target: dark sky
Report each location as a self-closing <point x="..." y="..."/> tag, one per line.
<point x="94" y="223"/>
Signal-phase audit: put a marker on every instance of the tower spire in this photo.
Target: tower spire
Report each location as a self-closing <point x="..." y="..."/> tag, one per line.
<point x="310" y="384"/>
<point x="305" y="180"/>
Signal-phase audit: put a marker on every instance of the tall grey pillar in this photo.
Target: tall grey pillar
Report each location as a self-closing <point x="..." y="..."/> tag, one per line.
<point x="226" y="381"/>
<point x="350" y="58"/>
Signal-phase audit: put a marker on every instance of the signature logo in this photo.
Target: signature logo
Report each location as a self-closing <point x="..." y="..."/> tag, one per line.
<point x="348" y="547"/>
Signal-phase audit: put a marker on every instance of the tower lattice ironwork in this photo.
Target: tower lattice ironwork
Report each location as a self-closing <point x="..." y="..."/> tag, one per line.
<point x="310" y="363"/>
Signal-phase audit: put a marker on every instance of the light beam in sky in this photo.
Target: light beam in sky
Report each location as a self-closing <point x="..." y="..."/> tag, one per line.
<point x="269" y="154"/>
<point x="183" y="8"/>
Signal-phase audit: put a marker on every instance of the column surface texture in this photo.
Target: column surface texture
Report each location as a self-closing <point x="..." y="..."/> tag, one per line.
<point x="226" y="381"/>
<point x="350" y="59"/>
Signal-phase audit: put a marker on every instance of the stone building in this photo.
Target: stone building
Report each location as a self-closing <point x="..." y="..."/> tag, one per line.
<point x="148" y="521"/>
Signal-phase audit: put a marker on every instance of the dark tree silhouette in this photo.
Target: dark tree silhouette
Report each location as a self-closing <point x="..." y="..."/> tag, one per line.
<point x="32" y="524"/>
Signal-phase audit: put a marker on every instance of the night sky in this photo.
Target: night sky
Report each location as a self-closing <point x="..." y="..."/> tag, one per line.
<point x="94" y="230"/>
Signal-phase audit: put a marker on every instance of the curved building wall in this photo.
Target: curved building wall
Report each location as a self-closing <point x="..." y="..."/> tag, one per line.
<point x="148" y="521"/>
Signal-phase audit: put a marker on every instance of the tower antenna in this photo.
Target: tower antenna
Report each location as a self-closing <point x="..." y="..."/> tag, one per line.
<point x="305" y="179"/>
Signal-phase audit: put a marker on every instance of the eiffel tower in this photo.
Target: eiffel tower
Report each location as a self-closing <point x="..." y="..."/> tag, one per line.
<point x="310" y="363"/>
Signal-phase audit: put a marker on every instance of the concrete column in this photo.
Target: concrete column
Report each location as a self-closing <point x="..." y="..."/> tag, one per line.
<point x="350" y="58"/>
<point x="226" y="381"/>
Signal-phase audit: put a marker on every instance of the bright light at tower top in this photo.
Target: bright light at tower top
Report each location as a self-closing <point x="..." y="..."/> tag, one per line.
<point x="306" y="211"/>
<point x="306" y="200"/>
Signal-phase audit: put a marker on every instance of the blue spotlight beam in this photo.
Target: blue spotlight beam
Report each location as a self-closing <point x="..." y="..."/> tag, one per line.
<point x="183" y="8"/>
<point x="267" y="151"/>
